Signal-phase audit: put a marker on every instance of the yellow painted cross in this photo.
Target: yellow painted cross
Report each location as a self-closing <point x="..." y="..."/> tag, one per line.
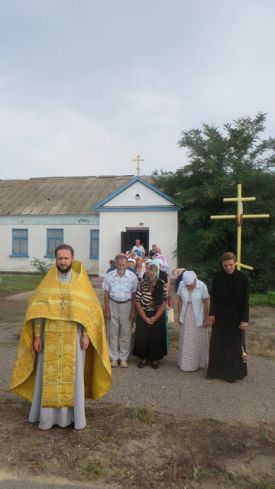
<point x="239" y="220"/>
<point x="138" y="159"/>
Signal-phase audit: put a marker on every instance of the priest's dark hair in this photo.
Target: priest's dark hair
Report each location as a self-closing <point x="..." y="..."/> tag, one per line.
<point x="64" y="247"/>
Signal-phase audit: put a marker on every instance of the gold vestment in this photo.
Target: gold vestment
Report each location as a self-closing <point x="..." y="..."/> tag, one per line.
<point x="63" y="305"/>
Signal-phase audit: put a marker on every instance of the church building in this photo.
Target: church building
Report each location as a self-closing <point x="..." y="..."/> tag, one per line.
<point x="99" y="216"/>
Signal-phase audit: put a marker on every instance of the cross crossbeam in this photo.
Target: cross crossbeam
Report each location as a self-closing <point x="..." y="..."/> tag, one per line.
<point x="239" y="217"/>
<point x="138" y="159"/>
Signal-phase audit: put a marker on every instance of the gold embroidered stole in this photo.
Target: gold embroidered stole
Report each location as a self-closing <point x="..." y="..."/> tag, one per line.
<point x="74" y="303"/>
<point x="59" y="363"/>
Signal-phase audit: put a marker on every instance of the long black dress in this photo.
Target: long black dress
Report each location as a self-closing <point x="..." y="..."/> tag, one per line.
<point x="150" y="340"/>
<point x="229" y="304"/>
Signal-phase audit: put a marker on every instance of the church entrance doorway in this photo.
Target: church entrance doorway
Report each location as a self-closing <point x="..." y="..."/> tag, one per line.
<point x="128" y="238"/>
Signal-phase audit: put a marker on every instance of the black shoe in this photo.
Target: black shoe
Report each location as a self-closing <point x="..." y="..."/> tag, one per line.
<point x="155" y="365"/>
<point x="141" y="363"/>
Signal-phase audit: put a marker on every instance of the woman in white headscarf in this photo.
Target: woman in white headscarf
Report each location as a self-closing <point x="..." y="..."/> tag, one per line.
<point x="193" y="307"/>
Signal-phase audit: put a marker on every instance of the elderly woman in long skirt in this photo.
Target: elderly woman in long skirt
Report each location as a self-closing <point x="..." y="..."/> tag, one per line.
<point x="150" y="339"/>
<point x="193" y="307"/>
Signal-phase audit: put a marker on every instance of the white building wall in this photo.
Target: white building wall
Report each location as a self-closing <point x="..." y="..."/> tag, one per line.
<point x="147" y="197"/>
<point x="78" y="236"/>
<point x="163" y="230"/>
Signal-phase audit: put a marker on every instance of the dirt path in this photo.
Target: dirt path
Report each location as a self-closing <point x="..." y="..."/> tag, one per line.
<point x="171" y="390"/>
<point x="154" y="429"/>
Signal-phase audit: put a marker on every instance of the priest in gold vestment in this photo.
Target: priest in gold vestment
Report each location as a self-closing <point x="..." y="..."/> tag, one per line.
<point x="62" y="356"/>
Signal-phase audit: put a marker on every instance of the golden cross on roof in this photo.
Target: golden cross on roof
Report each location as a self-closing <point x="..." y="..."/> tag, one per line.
<point x="138" y="159"/>
<point x="239" y="219"/>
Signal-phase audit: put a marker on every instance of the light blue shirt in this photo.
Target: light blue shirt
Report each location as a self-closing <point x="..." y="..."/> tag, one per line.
<point x="139" y="250"/>
<point x="199" y="293"/>
<point x="120" y="287"/>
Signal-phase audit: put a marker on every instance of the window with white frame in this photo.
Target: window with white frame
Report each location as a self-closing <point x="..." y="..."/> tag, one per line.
<point x="20" y="242"/>
<point x="55" y="237"/>
<point x="94" y="244"/>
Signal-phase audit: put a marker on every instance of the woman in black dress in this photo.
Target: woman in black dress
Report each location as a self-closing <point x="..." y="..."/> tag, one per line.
<point x="150" y="339"/>
<point x="229" y="309"/>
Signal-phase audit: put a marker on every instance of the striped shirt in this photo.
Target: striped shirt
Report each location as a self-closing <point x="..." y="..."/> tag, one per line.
<point x="145" y="297"/>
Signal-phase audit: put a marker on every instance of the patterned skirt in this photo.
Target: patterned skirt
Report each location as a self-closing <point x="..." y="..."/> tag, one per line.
<point x="193" y="343"/>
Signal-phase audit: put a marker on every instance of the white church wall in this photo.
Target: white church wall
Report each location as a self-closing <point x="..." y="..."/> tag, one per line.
<point x="78" y="236"/>
<point x="136" y="195"/>
<point x="163" y="230"/>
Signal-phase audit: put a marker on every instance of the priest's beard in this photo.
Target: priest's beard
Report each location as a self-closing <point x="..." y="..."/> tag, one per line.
<point x="64" y="269"/>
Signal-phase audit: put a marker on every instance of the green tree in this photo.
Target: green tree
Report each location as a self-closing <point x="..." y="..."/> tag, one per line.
<point x="218" y="160"/>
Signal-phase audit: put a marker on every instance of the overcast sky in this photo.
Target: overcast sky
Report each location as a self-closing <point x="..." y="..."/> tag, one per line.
<point x="85" y="85"/>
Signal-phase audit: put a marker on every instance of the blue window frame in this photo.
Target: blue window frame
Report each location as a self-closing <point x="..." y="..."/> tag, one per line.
<point x="20" y="242"/>
<point x="94" y="244"/>
<point x="55" y="237"/>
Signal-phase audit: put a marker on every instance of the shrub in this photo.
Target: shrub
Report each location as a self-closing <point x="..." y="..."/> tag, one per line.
<point x="41" y="267"/>
<point x="267" y="299"/>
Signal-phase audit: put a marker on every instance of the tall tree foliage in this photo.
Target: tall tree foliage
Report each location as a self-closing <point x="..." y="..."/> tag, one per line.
<point x="218" y="160"/>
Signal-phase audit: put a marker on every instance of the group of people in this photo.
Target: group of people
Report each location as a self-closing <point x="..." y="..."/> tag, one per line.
<point x="128" y="299"/>
<point x="138" y="259"/>
<point x="64" y="356"/>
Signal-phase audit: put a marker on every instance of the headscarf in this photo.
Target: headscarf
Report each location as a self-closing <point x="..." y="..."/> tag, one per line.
<point x="189" y="277"/>
<point x="157" y="292"/>
<point x="157" y="264"/>
<point x="162" y="259"/>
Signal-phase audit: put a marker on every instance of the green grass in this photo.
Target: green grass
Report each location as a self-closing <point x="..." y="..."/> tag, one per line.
<point x="13" y="284"/>
<point x="145" y="414"/>
<point x="92" y="471"/>
<point x="267" y="299"/>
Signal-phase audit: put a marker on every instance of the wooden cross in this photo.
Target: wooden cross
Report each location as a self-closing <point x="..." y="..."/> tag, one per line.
<point x="138" y="159"/>
<point x="239" y="220"/>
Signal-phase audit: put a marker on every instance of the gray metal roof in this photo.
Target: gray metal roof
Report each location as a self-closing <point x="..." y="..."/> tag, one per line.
<point x="57" y="195"/>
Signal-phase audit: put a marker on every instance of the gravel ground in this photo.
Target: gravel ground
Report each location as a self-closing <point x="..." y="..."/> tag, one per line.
<point x="171" y="390"/>
<point x="9" y="482"/>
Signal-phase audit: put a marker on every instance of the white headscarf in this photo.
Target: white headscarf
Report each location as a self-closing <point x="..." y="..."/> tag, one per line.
<point x="157" y="264"/>
<point x="189" y="277"/>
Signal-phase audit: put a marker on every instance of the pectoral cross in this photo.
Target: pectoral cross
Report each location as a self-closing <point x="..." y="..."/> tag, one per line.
<point x="239" y="220"/>
<point x="64" y="301"/>
<point x="138" y="159"/>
